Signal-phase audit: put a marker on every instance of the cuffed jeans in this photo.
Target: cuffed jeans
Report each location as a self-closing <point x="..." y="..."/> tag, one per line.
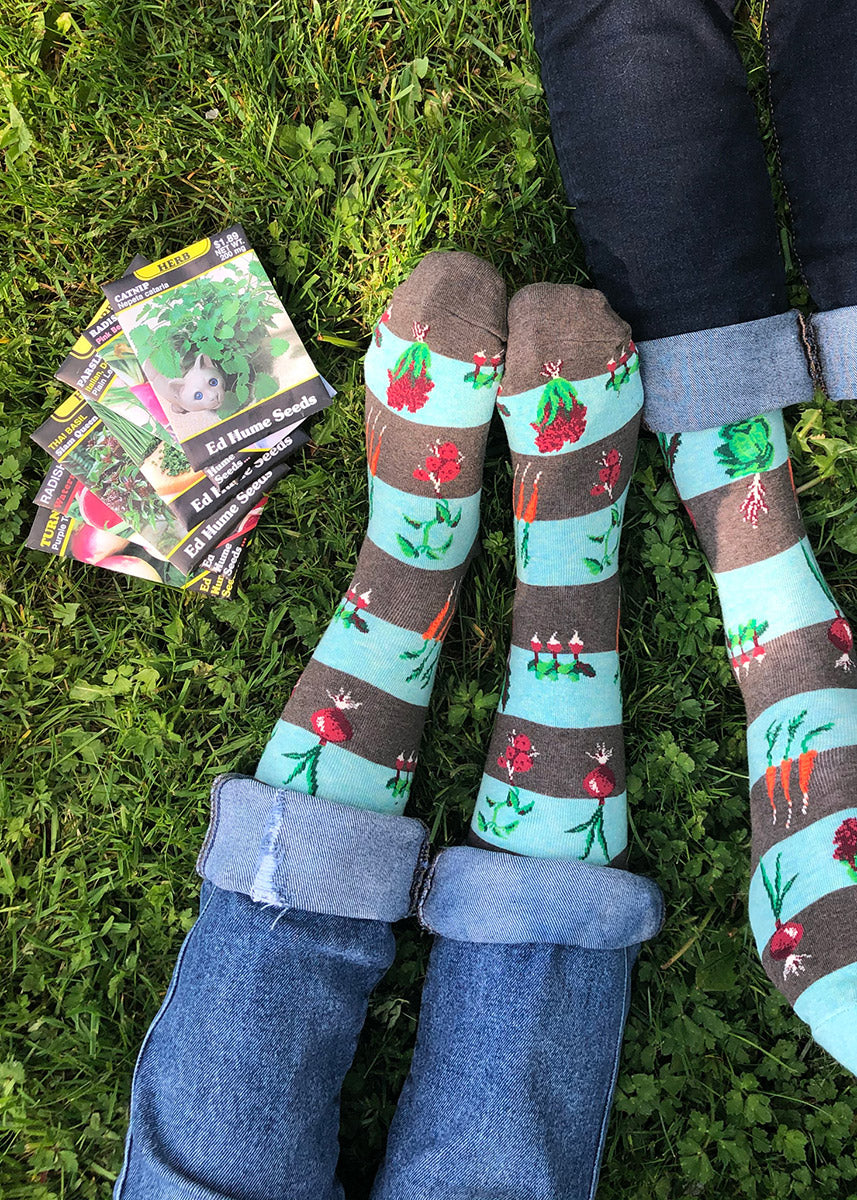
<point x="662" y="160"/>
<point x="236" y="1089"/>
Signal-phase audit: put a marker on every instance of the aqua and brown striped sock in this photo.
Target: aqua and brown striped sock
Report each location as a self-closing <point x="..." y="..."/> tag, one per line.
<point x="351" y="729"/>
<point x="791" y="650"/>
<point x="554" y="782"/>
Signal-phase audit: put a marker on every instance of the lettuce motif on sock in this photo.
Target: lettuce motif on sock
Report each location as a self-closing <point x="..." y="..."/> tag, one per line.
<point x="554" y="782"/>
<point x="791" y="649"/>
<point x="351" y="729"/>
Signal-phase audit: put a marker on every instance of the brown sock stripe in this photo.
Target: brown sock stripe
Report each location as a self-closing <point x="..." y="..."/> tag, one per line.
<point x="461" y="299"/>
<point x="566" y="481"/>
<point x="729" y="541"/>
<point x="550" y="321"/>
<point x="563" y="756"/>
<point x="395" y="447"/>
<point x="832" y="788"/>
<point x="591" y="609"/>
<point x="377" y="724"/>
<point x="400" y="594"/>
<point x="826" y="944"/>
<point x="801" y="661"/>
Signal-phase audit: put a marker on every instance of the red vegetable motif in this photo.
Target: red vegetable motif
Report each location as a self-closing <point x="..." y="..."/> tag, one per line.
<point x="560" y="416"/>
<point x="626" y="362"/>
<point x="845" y="845"/>
<point x="839" y="635"/>
<point x="608" y="474"/>
<point x="384" y="319"/>
<point x="410" y="383"/>
<point x="599" y="782"/>
<point x="332" y="726"/>
<point x="442" y="465"/>
<point x="519" y="756"/>
<point x="787" y="935"/>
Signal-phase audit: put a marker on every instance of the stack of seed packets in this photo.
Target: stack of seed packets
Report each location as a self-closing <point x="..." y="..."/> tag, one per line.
<point x="190" y="387"/>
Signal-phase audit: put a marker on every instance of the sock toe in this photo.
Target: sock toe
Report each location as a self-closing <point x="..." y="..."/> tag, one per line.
<point x="581" y="329"/>
<point x="829" y="1007"/>
<point x="454" y="293"/>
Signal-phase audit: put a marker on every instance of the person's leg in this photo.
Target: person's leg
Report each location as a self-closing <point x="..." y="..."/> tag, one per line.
<point x="236" y="1089"/>
<point x="351" y="728"/>
<point x="662" y="162"/>
<point x="791" y="649"/>
<point x="812" y="61"/>
<point x="554" y="782"/>
<point x="527" y="991"/>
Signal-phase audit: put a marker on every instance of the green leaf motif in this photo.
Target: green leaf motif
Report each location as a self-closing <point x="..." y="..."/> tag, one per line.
<point x="593" y="566"/>
<point x="406" y="547"/>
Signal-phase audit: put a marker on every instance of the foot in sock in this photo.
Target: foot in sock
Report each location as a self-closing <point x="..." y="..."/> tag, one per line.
<point x="554" y="783"/>
<point x="351" y="729"/>
<point x="791" y="649"/>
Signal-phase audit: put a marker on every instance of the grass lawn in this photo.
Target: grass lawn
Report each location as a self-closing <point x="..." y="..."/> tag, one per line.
<point x="349" y="138"/>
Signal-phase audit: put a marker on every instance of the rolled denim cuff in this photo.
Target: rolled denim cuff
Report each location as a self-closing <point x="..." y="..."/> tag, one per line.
<point x="720" y="376"/>
<point x="283" y="848"/>
<point x="475" y="895"/>
<point x="835" y="338"/>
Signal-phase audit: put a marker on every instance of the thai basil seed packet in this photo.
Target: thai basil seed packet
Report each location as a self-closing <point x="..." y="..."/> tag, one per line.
<point x="77" y="438"/>
<point x="218" y="347"/>
<point x="63" y="535"/>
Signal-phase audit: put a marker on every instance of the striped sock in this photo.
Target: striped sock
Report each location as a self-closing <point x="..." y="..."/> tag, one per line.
<point x="351" y="729"/>
<point x="790" y="648"/>
<point x="554" y="783"/>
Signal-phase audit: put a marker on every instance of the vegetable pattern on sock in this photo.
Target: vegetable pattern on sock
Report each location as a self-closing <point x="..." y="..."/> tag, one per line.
<point x="790" y="647"/>
<point x="351" y="729"/>
<point x="554" y="782"/>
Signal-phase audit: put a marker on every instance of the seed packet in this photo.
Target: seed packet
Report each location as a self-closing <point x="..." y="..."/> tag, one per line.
<point x="75" y="437"/>
<point x="217" y="346"/>
<point x="61" y="534"/>
<point x="103" y="367"/>
<point x="61" y="492"/>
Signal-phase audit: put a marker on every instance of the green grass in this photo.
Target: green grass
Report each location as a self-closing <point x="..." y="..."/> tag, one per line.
<point x="349" y="139"/>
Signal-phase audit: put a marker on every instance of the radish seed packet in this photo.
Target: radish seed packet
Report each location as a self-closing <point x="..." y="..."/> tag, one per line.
<point x="218" y="347"/>
<point x="63" y="535"/>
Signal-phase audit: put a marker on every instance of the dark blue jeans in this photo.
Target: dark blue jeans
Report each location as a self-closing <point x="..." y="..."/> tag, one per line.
<point x="236" y="1090"/>
<point x="663" y="162"/>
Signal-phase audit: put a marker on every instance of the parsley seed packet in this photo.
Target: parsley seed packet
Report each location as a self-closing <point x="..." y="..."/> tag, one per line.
<point x="218" y="348"/>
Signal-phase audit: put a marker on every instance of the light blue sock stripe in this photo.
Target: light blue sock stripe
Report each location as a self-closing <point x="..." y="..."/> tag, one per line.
<point x="699" y="469"/>
<point x="387" y="525"/>
<point x="606" y="412"/>
<point x="780" y="589"/>
<point x="452" y="402"/>
<point x="562" y="702"/>
<point x="808" y="854"/>
<point x="376" y="656"/>
<point x="823" y="706"/>
<point x="557" y="552"/>
<point x="342" y="776"/>
<point x="829" y="1007"/>
<point x="542" y="831"/>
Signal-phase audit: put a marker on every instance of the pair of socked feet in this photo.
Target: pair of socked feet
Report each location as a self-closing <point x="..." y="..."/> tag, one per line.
<point x="562" y="370"/>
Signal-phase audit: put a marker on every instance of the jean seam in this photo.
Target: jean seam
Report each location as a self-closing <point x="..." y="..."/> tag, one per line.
<point x="608" y="1099"/>
<point x="167" y="1001"/>
<point x="213" y="823"/>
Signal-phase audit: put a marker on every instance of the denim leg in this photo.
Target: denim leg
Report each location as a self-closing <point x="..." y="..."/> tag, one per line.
<point x="653" y="126"/>
<point x="236" y="1088"/>
<point x="520" y="1028"/>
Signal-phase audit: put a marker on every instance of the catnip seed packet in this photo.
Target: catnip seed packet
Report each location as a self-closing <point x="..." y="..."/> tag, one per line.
<point x="218" y="347"/>
<point x="75" y="437"/>
<point x="63" y="535"/>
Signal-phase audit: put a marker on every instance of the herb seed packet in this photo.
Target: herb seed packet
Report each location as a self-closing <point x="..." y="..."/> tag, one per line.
<point x="103" y="367"/>
<point x="77" y="438"/>
<point x="61" y="534"/>
<point x="217" y="346"/>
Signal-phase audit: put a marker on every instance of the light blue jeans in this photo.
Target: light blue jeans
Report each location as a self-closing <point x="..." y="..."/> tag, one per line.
<point x="236" y="1089"/>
